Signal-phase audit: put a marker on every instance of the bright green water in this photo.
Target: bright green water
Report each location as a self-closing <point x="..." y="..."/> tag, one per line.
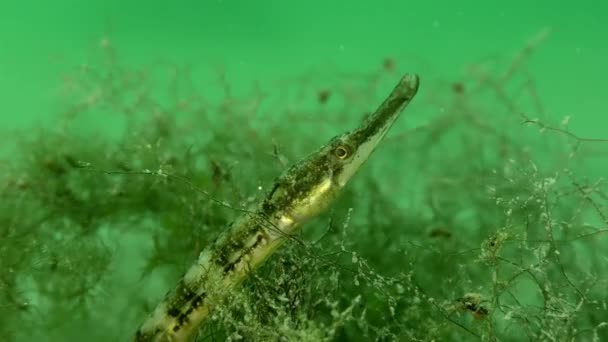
<point x="270" y="41"/>
<point x="273" y="39"/>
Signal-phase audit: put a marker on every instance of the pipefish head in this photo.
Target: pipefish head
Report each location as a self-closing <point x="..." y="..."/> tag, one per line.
<point x="309" y="186"/>
<point x="354" y="148"/>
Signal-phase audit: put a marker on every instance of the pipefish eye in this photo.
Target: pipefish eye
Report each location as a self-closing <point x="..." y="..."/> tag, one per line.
<point x="342" y="151"/>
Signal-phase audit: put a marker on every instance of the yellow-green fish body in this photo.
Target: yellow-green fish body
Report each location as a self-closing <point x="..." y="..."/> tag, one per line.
<point x="300" y="193"/>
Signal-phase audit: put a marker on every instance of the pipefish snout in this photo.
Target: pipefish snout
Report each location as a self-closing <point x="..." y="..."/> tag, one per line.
<point x="303" y="191"/>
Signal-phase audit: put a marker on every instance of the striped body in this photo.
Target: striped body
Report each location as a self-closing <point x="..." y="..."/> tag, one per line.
<point x="218" y="269"/>
<point x="244" y="246"/>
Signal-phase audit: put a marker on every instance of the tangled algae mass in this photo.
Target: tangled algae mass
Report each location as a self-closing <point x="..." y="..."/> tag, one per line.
<point x="479" y="218"/>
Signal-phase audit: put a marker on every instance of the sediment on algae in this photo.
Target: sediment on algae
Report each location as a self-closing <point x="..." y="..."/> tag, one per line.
<point x="477" y="219"/>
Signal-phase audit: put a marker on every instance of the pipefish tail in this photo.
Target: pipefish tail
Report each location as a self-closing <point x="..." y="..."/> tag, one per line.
<point x="300" y="193"/>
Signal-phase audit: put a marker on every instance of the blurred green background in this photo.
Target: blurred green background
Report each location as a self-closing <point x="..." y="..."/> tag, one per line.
<point x="41" y="40"/>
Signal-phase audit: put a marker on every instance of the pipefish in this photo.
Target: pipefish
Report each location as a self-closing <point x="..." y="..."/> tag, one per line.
<point x="301" y="192"/>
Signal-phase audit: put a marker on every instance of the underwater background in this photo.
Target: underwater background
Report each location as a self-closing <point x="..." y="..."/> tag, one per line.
<point x="482" y="216"/>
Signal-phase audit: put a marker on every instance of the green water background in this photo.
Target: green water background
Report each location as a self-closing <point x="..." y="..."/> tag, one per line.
<point x="269" y="40"/>
<point x="40" y="41"/>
